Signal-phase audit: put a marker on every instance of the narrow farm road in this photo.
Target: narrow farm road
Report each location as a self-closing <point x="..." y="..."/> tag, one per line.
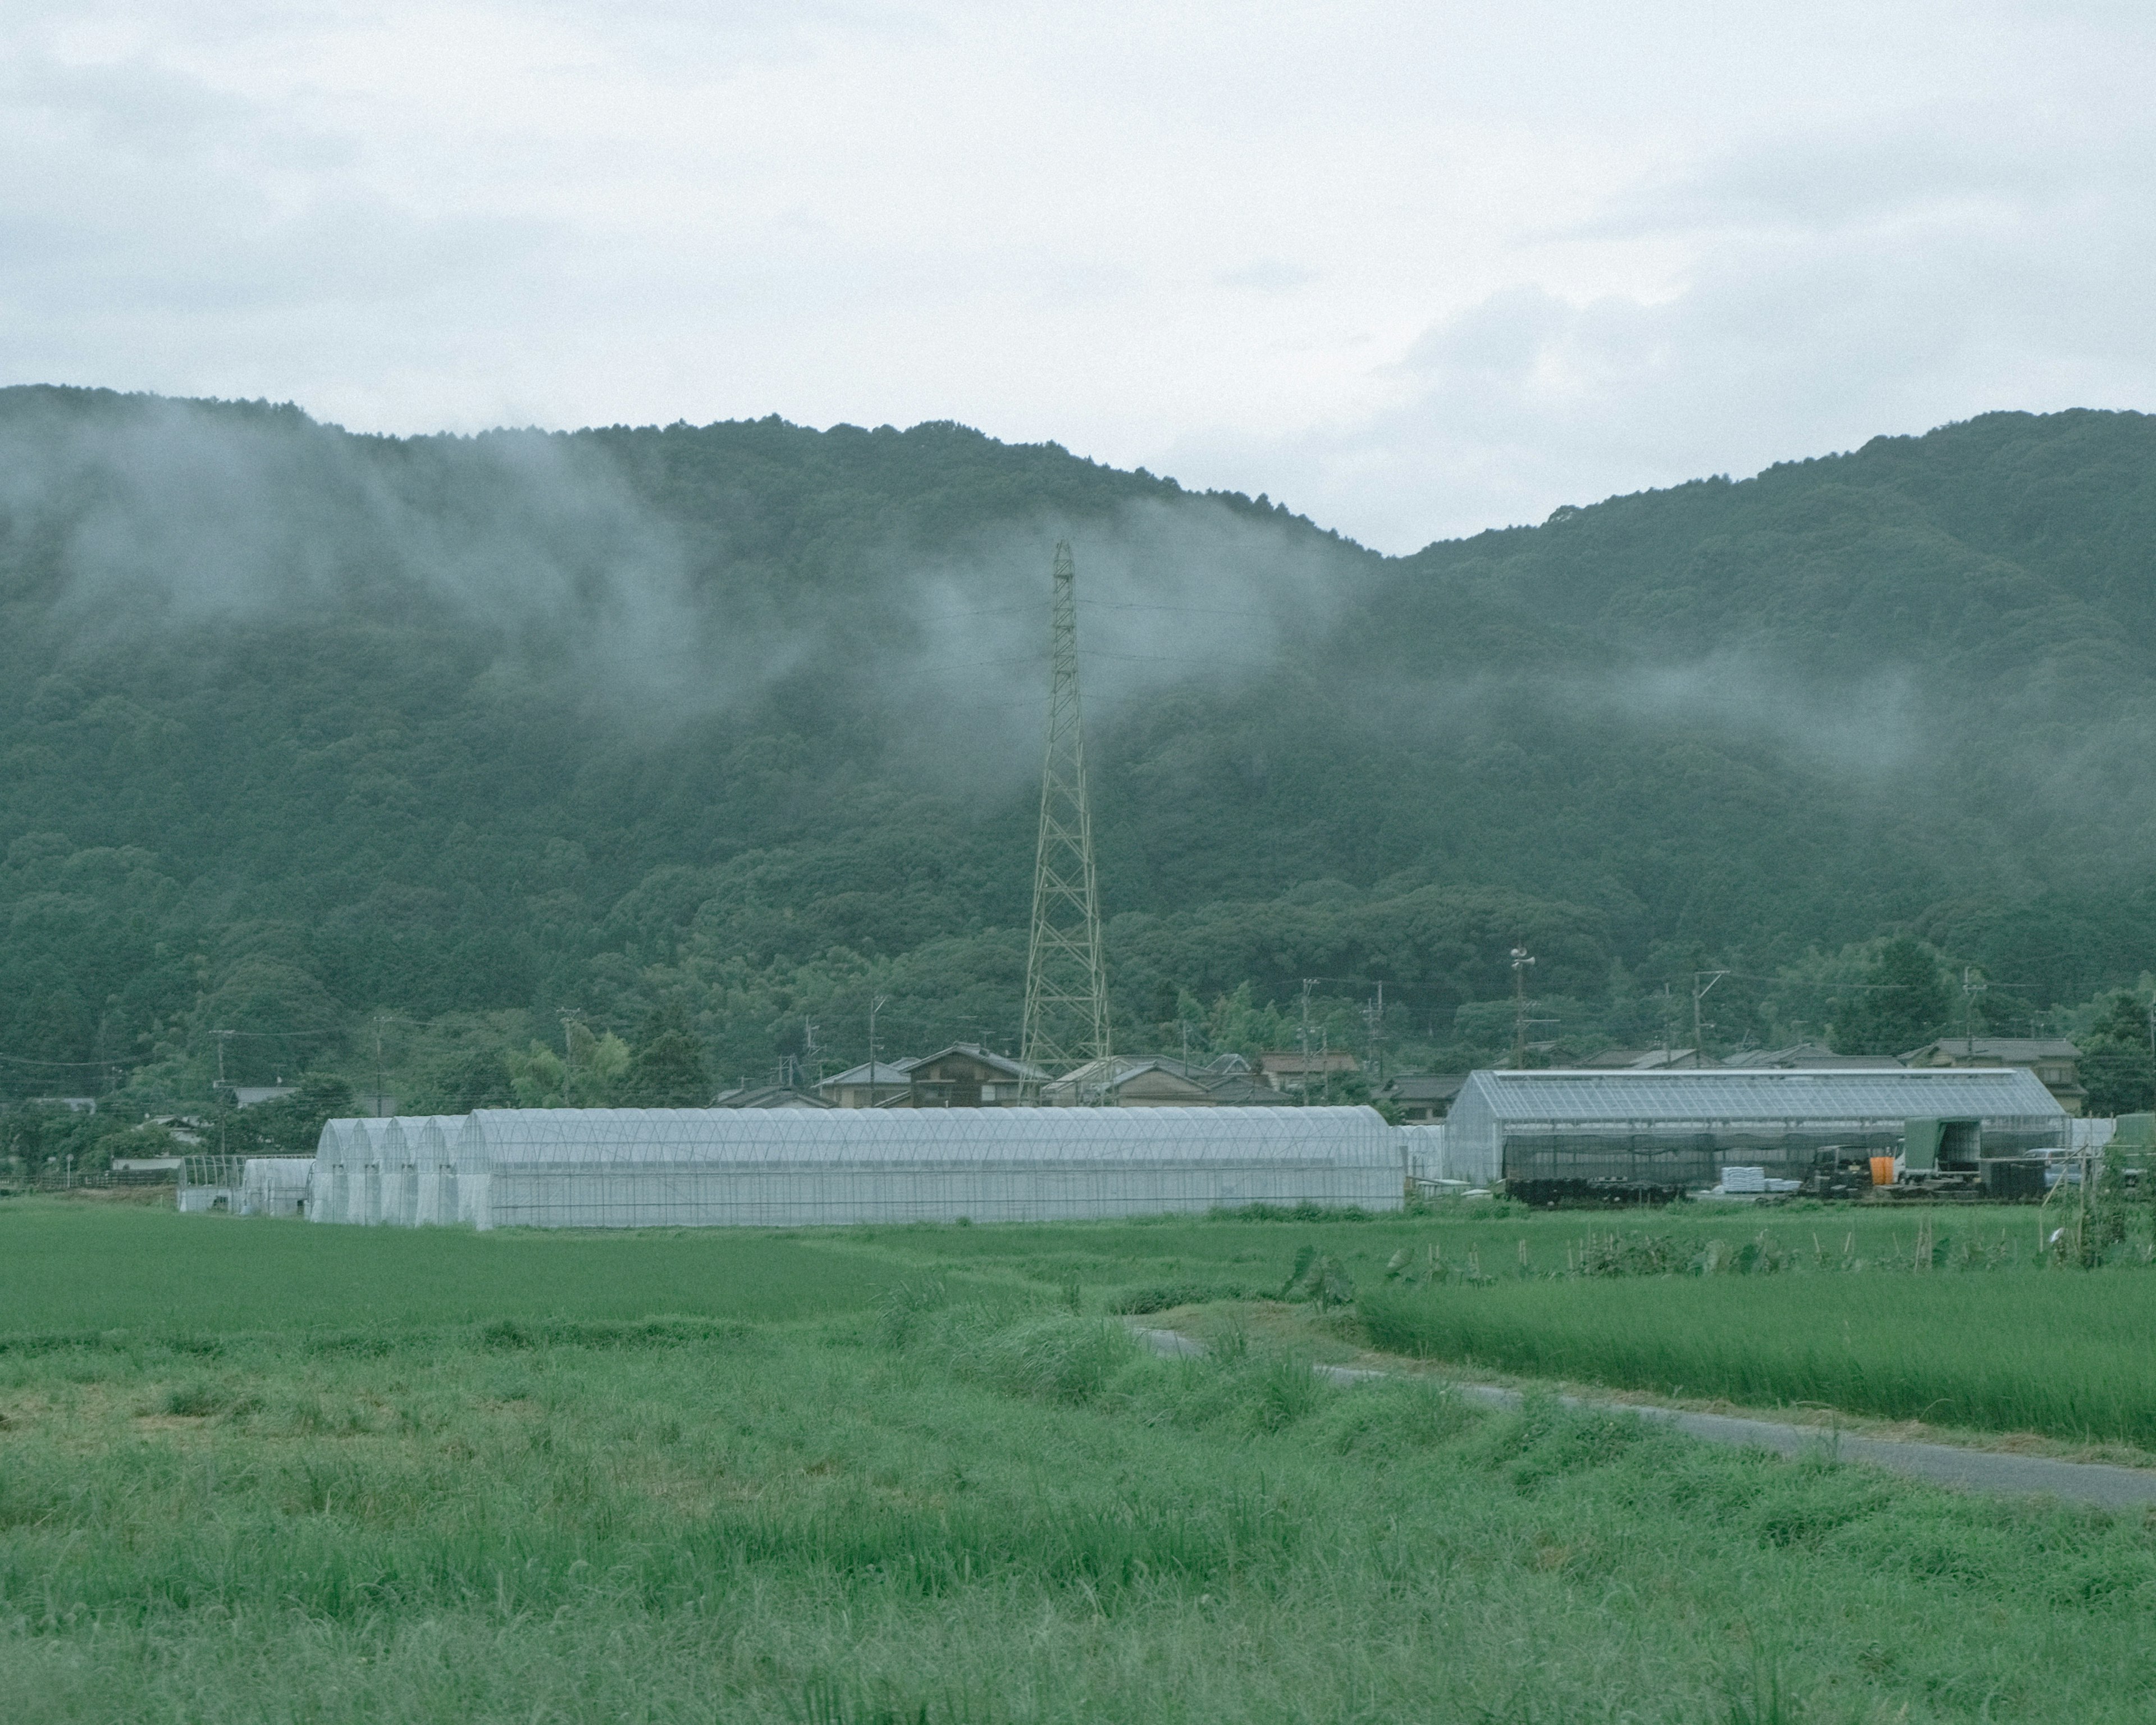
<point x="2092" y="1482"/>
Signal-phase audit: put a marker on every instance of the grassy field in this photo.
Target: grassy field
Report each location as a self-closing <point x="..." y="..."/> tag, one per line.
<point x="260" y="1471"/>
<point x="83" y="1269"/>
<point x="2061" y="1352"/>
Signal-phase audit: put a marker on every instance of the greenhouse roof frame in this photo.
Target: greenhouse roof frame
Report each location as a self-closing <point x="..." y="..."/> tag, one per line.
<point x="1710" y="1095"/>
<point x="939" y="1136"/>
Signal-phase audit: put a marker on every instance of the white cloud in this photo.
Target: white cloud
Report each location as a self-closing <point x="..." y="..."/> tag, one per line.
<point x="1414" y="269"/>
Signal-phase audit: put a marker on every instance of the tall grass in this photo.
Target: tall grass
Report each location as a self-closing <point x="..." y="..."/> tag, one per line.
<point x="617" y="1493"/>
<point x="989" y="1511"/>
<point x="2061" y="1352"/>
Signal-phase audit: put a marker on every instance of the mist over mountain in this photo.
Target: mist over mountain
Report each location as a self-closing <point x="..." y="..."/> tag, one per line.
<point x="301" y="729"/>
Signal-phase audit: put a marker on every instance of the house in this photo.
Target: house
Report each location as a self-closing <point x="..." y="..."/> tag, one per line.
<point x="1293" y="1069"/>
<point x="1232" y="1082"/>
<point x="246" y="1096"/>
<point x="1123" y="1081"/>
<point x="2055" y="1061"/>
<point x="768" y="1095"/>
<point x="966" y="1076"/>
<point x="1421" y="1097"/>
<point x="865" y="1086"/>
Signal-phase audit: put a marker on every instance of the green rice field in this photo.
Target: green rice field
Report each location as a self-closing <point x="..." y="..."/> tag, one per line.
<point x="255" y="1470"/>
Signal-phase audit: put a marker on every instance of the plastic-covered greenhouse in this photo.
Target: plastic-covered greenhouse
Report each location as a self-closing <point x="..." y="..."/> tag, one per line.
<point x="275" y="1185"/>
<point x="393" y="1170"/>
<point x="1551" y="1133"/>
<point x="646" y="1168"/>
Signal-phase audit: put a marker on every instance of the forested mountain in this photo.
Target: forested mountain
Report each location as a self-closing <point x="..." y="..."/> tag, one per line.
<point x="305" y="735"/>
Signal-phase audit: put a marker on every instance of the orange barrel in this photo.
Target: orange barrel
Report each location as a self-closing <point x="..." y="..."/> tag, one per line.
<point x="1882" y="1170"/>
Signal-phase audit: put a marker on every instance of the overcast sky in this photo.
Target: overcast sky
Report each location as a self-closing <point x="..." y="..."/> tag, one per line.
<point x="1414" y="270"/>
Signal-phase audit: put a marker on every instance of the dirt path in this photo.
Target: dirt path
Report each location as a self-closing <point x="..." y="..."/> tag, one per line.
<point x="1943" y="1464"/>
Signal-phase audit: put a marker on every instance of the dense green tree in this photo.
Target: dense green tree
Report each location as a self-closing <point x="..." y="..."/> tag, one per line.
<point x="290" y="1125"/>
<point x="1903" y="1002"/>
<point x="2118" y="1068"/>
<point x="23" y="1138"/>
<point x="667" y="1069"/>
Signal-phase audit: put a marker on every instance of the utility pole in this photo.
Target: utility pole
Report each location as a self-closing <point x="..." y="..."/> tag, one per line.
<point x="569" y="1018"/>
<point x="224" y="1108"/>
<point x="808" y="1051"/>
<point x="378" y="1018"/>
<point x="1302" y="1039"/>
<point x="1699" y="990"/>
<point x="1066" y="977"/>
<point x="1970" y="988"/>
<point x="1374" y="1015"/>
<point x="875" y="1006"/>
<point x="1522" y="960"/>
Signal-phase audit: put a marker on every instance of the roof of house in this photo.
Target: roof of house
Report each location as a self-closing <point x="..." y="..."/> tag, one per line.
<point x="987" y="1056"/>
<point x="1814" y="1054"/>
<point x="1236" y="1090"/>
<point x="1315" y="1060"/>
<point x="1424" y="1086"/>
<point x="886" y="1072"/>
<point x="1641" y="1060"/>
<point x="1113" y="1072"/>
<point x="1999" y="1048"/>
<point x="769" y="1096"/>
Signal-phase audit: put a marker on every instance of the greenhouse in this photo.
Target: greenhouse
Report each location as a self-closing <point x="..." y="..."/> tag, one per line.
<point x="1553" y="1133"/>
<point x="637" y="1168"/>
<point x="393" y="1170"/>
<point x="333" y="1174"/>
<point x="275" y="1185"/>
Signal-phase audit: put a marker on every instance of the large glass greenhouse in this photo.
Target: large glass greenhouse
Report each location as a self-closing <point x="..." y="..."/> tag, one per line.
<point x="1554" y="1132"/>
<point x="651" y="1168"/>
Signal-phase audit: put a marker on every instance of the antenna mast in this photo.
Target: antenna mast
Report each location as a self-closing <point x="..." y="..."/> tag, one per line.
<point x="1066" y="982"/>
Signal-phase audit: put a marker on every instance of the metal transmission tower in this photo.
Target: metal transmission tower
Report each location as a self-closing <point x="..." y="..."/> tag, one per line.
<point x="1066" y="984"/>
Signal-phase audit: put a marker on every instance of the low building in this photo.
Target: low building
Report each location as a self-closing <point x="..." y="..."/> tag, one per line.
<point x="1121" y="1081"/>
<point x="966" y="1076"/>
<point x="866" y="1086"/>
<point x="2055" y="1061"/>
<point x="1421" y="1097"/>
<point x="1298" y="1069"/>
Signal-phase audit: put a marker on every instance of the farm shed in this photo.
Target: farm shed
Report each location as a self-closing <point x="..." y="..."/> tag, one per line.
<point x="275" y="1185"/>
<point x="1549" y="1133"/>
<point x="648" y="1167"/>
